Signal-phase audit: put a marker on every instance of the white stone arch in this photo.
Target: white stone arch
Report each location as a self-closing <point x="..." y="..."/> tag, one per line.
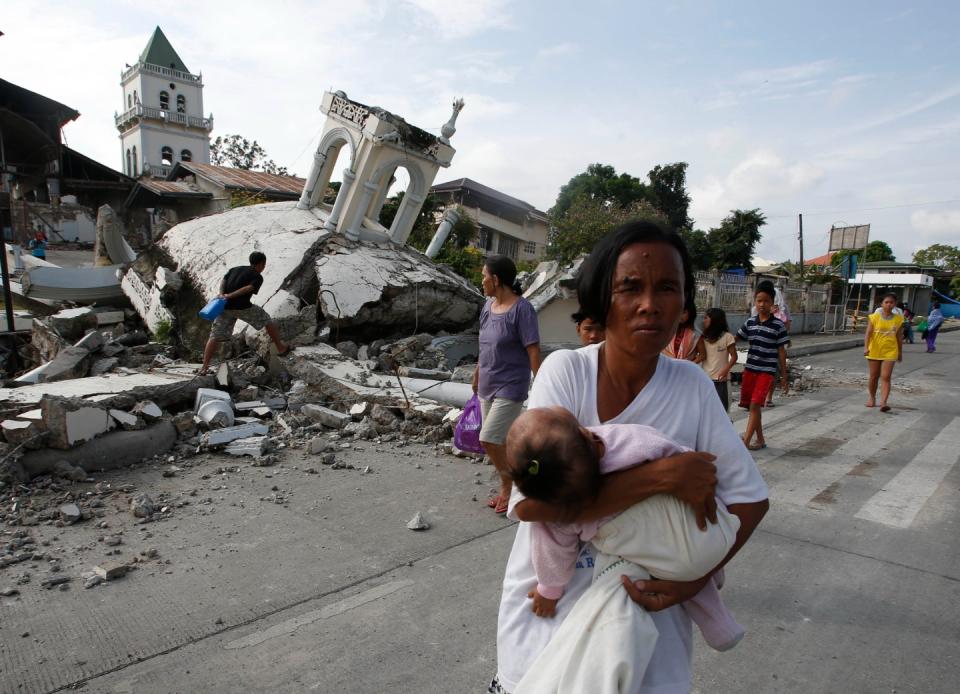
<point x="413" y="197"/>
<point x="324" y="159"/>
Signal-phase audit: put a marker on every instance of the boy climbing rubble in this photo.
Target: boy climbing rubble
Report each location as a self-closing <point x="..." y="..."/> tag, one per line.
<point x="237" y="286"/>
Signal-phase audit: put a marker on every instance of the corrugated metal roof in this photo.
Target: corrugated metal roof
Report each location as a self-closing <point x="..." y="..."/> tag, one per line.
<point x="181" y="188"/>
<point x="242" y="179"/>
<point x="471" y="185"/>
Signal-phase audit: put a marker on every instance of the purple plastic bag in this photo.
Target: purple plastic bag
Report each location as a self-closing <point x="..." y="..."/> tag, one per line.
<point x="466" y="436"/>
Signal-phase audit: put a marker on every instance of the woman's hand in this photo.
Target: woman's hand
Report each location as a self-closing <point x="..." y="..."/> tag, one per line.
<point x="692" y="478"/>
<point x="654" y="595"/>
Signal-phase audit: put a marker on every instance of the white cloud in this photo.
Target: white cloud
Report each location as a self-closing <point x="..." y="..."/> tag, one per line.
<point x="765" y="173"/>
<point x="457" y="19"/>
<point x="558" y="50"/>
<point x="943" y="225"/>
<point x="790" y="74"/>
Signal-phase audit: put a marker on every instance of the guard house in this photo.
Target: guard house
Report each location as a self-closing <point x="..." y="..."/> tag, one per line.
<point x="911" y="282"/>
<point x="379" y="143"/>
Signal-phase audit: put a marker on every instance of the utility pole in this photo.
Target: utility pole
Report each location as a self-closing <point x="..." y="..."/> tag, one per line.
<point x="801" y="245"/>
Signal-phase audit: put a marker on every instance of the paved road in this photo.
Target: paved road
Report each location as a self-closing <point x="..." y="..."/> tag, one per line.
<point x="850" y="585"/>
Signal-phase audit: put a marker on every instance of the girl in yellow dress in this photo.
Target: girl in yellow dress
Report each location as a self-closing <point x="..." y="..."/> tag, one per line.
<point x="883" y="346"/>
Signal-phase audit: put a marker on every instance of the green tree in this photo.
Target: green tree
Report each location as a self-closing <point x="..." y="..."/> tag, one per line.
<point x="587" y="220"/>
<point x="667" y="192"/>
<point x="425" y="224"/>
<point x="600" y="183"/>
<point x="734" y="241"/>
<point x="939" y="254"/>
<point x="241" y="153"/>
<point x="698" y="244"/>
<point x="878" y="251"/>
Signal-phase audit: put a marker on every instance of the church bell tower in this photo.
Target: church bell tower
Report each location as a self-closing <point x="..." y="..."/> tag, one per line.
<point x="162" y="121"/>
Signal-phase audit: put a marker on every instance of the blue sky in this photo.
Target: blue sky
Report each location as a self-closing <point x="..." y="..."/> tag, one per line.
<point x="846" y="111"/>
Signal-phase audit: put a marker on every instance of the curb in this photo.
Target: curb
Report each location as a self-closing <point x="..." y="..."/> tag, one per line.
<point x="841" y="344"/>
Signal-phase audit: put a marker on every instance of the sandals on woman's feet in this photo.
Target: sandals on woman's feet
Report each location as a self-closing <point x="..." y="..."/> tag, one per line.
<point x="493" y="501"/>
<point x="885" y="408"/>
<point x="501" y="508"/>
<point x="756" y="446"/>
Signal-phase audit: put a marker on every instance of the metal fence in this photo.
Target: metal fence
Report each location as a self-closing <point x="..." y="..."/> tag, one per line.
<point x="734" y="292"/>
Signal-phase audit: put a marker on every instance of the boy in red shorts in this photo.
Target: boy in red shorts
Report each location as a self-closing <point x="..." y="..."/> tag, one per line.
<point x="767" y="336"/>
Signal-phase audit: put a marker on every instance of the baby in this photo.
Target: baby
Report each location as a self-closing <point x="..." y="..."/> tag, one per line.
<point x="553" y="459"/>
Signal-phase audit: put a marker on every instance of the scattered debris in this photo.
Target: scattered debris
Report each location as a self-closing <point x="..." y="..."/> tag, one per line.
<point x="418" y="523"/>
<point x="142" y="506"/>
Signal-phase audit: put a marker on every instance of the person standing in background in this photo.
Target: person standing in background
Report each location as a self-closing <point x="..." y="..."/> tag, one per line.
<point x="883" y="347"/>
<point x="934" y="321"/>
<point x="718" y="352"/>
<point x="509" y="351"/>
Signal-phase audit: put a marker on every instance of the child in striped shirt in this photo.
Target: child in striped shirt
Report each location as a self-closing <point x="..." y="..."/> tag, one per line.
<point x="767" y="336"/>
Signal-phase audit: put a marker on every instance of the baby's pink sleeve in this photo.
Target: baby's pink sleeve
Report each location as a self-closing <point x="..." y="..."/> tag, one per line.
<point x="554" y="548"/>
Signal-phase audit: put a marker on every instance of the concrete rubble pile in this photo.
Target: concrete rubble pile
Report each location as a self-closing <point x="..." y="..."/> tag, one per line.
<point x="316" y="283"/>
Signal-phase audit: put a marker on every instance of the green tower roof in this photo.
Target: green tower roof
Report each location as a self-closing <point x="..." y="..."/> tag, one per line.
<point x="160" y="52"/>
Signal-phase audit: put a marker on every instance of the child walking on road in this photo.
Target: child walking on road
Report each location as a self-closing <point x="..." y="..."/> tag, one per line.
<point x="718" y="352"/>
<point x="767" y="336"/>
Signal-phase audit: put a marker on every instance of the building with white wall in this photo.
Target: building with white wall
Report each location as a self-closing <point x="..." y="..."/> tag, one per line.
<point x="162" y="120"/>
<point x="507" y="225"/>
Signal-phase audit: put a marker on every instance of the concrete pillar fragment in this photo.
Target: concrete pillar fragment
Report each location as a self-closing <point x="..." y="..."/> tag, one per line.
<point x="450" y="217"/>
<point x="348" y="178"/>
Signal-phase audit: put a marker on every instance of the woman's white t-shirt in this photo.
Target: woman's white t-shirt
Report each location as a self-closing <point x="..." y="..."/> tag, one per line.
<point x="681" y="402"/>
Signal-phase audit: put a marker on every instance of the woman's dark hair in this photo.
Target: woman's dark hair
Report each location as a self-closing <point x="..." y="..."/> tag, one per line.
<point x="718" y="324"/>
<point x="595" y="283"/>
<point x="501" y="267"/>
<point x="766" y="287"/>
<point x="889" y="295"/>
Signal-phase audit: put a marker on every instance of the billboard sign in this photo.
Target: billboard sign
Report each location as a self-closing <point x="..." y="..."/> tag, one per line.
<point x="849" y="238"/>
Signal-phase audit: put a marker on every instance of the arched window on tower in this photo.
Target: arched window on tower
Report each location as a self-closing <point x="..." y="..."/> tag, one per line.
<point x="135" y="165"/>
<point x="136" y="97"/>
<point x="181" y="103"/>
<point x="165" y="101"/>
<point x="186" y="155"/>
<point x="129" y="100"/>
<point x="166" y="156"/>
<point x="129" y="164"/>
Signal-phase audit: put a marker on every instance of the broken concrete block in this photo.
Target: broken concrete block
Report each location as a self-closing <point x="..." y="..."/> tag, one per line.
<point x="249" y="393"/>
<point x="348" y="348"/>
<point x="249" y="405"/>
<point x="127" y="421"/>
<point x="320" y="444"/>
<point x="223" y="375"/>
<point x="142" y="506"/>
<point x="207" y="394"/>
<point x="359" y="410"/>
<point x="72" y="323"/>
<point x="102" y="366"/>
<point x="262" y="412"/>
<point x="383" y="416"/>
<point x="110" y="570"/>
<point x="109" y="317"/>
<point x="418" y="523"/>
<point x="216" y="413"/>
<point x="17" y="432"/>
<point x="325" y="416"/>
<point x="361" y="430"/>
<point x="254" y="446"/>
<point x="70" y="362"/>
<point x="69" y="472"/>
<point x="149" y="410"/>
<point x="69" y="422"/>
<point x="185" y="423"/>
<point x="70" y="513"/>
<point x="226" y="435"/>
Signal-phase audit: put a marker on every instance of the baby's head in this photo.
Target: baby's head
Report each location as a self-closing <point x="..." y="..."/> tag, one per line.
<point x="553" y="459"/>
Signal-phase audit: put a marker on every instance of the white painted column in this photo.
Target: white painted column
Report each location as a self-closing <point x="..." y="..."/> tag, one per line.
<point x="450" y="217"/>
<point x="342" y="194"/>
<point x="406" y="216"/>
<point x="311" y="182"/>
<point x="353" y="230"/>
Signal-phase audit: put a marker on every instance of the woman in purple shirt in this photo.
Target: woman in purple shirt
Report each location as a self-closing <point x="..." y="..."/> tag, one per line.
<point x="509" y="350"/>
